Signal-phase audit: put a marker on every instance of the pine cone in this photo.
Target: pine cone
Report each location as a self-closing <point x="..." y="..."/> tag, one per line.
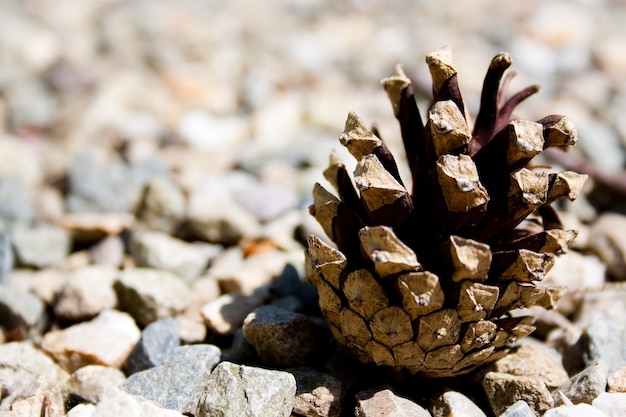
<point x="426" y="280"/>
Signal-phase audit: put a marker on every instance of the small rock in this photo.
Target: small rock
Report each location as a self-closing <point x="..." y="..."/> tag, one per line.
<point x="239" y="390"/>
<point x="265" y="201"/>
<point x="519" y="409"/>
<point x="227" y="313"/>
<point x="605" y="341"/>
<point x="87" y="292"/>
<point x="36" y="406"/>
<point x="607" y="239"/>
<point x="26" y="371"/>
<point x="90" y="382"/>
<point x="453" y="403"/>
<point x="585" y="386"/>
<point x="20" y="311"/>
<point x="41" y="246"/>
<point x="6" y="258"/>
<point x="503" y="390"/>
<point x="108" y="339"/>
<point x="317" y="394"/>
<point x="578" y="410"/>
<point x="117" y="403"/>
<point x="162" y="205"/>
<point x="602" y="305"/>
<point x="161" y="251"/>
<point x="16" y="205"/>
<point x="182" y="378"/>
<point x="613" y="404"/>
<point x="45" y="283"/>
<point x="82" y="410"/>
<point x="283" y="338"/>
<point x="383" y="402"/>
<point x="616" y="382"/>
<point x="89" y="227"/>
<point x="108" y="252"/>
<point x="216" y="218"/>
<point x="536" y="362"/>
<point x="149" y="294"/>
<point x="158" y="340"/>
<point x="191" y="330"/>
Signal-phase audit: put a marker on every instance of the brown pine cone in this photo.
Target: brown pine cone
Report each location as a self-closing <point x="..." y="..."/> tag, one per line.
<point x="425" y="280"/>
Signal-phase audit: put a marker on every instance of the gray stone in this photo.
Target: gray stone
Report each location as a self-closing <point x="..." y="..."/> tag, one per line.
<point x="283" y="338"/>
<point x="149" y="294"/>
<point x="607" y="238"/>
<point x="158" y="340"/>
<point x="87" y="292"/>
<point x="26" y="371"/>
<point x="244" y="391"/>
<point x="264" y="200"/>
<point x="181" y="378"/>
<point x="605" y="341"/>
<point x="16" y="205"/>
<point x="6" y="258"/>
<point x="578" y="410"/>
<point x="535" y="361"/>
<point x="453" y="403"/>
<point x="317" y="394"/>
<point x="81" y="410"/>
<point x="108" y="252"/>
<point x="503" y="390"/>
<point x="613" y="404"/>
<point x="585" y="386"/>
<point x="383" y="402"/>
<point x="117" y="403"/>
<point x="20" y="311"/>
<point x="41" y="246"/>
<point x="162" y="205"/>
<point x="90" y="382"/>
<point x="159" y="250"/>
<point x="519" y="409"/>
<point x="108" y="339"/>
<point x="606" y="304"/>
<point x="616" y="381"/>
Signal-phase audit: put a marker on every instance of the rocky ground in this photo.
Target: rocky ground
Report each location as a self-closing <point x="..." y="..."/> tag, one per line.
<point x="156" y="162"/>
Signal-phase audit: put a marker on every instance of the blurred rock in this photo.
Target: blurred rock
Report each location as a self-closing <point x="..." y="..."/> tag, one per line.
<point x="616" y="381"/>
<point x="20" y="312"/>
<point x="605" y="341"/>
<point x="607" y="239"/>
<point x="108" y="252"/>
<point x="150" y="294"/>
<point x="585" y="386"/>
<point x="87" y="292"/>
<point x="6" y="258"/>
<point x="227" y="313"/>
<point x="16" y="205"/>
<point x="90" y="382"/>
<point x="504" y="390"/>
<point x="382" y="401"/>
<point x="317" y="394"/>
<point x="265" y="201"/>
<point x="238" y="390"/>
<point x="611" y="404"/>
<point x="90" y="227"/>
<point x="108" y="339"/>
<point x="519" y="409"/>
<point x="283" y="338"/>
<point x="158" y="340"/>
<point x="41" y="246"/>
<point x="453" y="403"/>
<point x="162" y="206"/>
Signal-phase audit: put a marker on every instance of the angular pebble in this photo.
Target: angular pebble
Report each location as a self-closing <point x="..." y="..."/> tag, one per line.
<point x="453" y="403"/>
<point x="118" y="403"/>
<point x="239" y="390"/>
<point x="605" y="341"/>
<point x="383" y="402"/>
<point x="585" y="386"/>
<point x="86" y="292"/>
<point x="607" y="238"/>
<point x="283" y="338"/>
<point x="91" y="227"/>
<point x="149" y="294"/>
<point x="20" y="311"/>
<point x="41" y="246"/>
<point x="108" y="339"/>
<point x="578" y="410"/>
<point x="162" y="205"/>
<point x="90" y="382"/>
<point x="534" y="361"/>
<point x="182" y="378"/>
<point x="519" y="409"/>
<point x="317" y="394"/>
<point x="226" y="314"/>
<point x="159" y="250"/>
<point x="503" y="390"/>
<point x="613" y="404"/>
<point x="158" y="340"/>
<point x="82" y="410"/>
<point x="616" y="382"/>
<point x="108" y="252"/>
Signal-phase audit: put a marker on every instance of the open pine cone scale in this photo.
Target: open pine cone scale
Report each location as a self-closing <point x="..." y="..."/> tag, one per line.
<point x="424" y="280"/>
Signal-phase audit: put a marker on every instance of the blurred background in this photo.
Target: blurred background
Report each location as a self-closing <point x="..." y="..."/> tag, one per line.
<point x="97" y="97"/>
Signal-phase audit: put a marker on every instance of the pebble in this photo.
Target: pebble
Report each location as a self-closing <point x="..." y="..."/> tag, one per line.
<point x="238" y="390"/>
<point x="150" y="294"/>
<point x="6" y="258"/>
<point x="519" y="409"/>
<point x="226" y="314"/>
<point x="283" y="338"/>
<point x="35" y="406"/>
<point x="41" y="246"/>
<point x="266" y="201"/>
<point x="81" y="410"/>
<point x="162" y="205"/>
<point x="16" y="205"/>
<point x="108" y="339"/>
<point x="90" y="382"/>
<point x="616" y="381"/>
<point x="182" y="377"/>
<point x="90" y="227"/>
<point x="453" y="403"/>
<point x="578" y="410"/>
<point x="585" y="386"/>
<point x="86" y="292"/>
<point x="503" y="390"/>
<point x="607" y="239"/>
<point x="108" y="252"/>
<point x="21" y="311"/>
<point x="383" y="402"/>
<point x="536" y="362"/>
<point x="158" y="340"/>
<point x="605" y="341"/>
<point x="317" y="394"/>
<point x="118" y="403"/>
<point x="159" y="250"/>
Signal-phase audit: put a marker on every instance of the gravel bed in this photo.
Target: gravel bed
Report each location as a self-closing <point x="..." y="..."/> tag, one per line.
<point x="156" y="165"/>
